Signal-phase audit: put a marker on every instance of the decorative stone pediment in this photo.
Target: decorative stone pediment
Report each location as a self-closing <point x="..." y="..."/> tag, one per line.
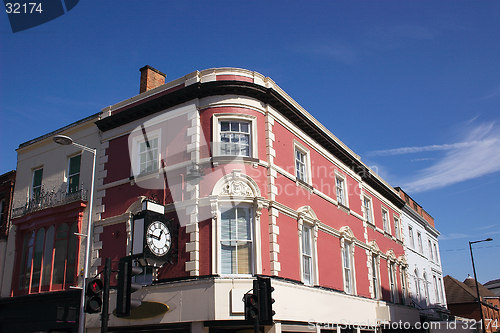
<point x="402" y="261"/>
<point x="236" y="184"/>
<point x="374" y="247"/>
<point x="391" y="255"/>
<point x="307" y="213"/>
<point x="347" y="233"/>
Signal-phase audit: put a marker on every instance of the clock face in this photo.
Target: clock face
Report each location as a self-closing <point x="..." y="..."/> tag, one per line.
<point x="158" y="238"/>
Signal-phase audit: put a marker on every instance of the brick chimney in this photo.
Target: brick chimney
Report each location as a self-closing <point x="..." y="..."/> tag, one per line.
<point x="151" y="78"/>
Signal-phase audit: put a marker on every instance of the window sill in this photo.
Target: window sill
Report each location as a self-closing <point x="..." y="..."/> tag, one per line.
<point x="145" y="176"/>
<point x="225" y="159"/>
<point x="344" y="208"/>
<point x="303" y="184"/>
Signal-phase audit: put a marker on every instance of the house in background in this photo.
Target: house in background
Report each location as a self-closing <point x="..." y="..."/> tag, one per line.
<point x="50" y="212"/>
<point x="493" y="286"/>
<point x="7" y="181"/>
<point x="462" y="302"/>
<point x="424" y="263"/>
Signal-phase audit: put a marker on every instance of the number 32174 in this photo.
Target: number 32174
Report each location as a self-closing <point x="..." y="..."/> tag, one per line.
<point x="25" y="8"/>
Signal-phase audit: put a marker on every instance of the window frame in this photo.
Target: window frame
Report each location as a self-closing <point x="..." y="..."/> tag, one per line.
<point x="417" y="285"/>
<point x="419" y="242"/>
<point x="368" y="215"/>
<point x="436" y="253"/>
<point x="441" y="293"/>
<point x="386" y="224"/>
<point x="375" y="272"/>
<point x="426" y="288"/>
<point x="298" y="147"/>
<point x="345" y="196"/>
<point x="410" y="236"/>
<point x="70" y="175"/>
<point x="404" y="286"/>
<point x="217" y="118"/>
<point x="348" y="248"/>
<point x="310" y="256"/>
<point x="32" y="195"/>
<point x="436" y="292"/>
<point x="136" y="160"/>
<point x="223" y="207"/>
<point x="397" y="227"/>
<point x="393" y="282"/>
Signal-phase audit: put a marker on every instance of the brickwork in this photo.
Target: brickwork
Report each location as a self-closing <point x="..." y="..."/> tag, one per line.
<point x="151" y="78"/>
<point x="7" y="181"/>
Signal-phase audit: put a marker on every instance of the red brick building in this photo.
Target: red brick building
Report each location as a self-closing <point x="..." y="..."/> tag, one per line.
<point x="256" y="186"/>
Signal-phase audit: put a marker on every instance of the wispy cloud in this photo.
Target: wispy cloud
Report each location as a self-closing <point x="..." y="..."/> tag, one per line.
<point x="421" y="149"/>
<point x="375" y="39"/>
<point x="404" y="31"/>
<point x="453" y="236"/>
<point x="493" y="93"/>
<point x="457" y="235"/>
<point x="486" y="227"/>
<point x="336" y="51"/>
<point x="476" y="156"/>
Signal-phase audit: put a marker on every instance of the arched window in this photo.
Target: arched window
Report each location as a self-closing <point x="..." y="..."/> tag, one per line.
<point x="236" y="240"/>
<point x="393" y="282"/>
<point x="375" y="276"/>
<point x="347" y="260"/>
<point x="417" y="285"/>
<point x="26" y="260"/>
<point x="403" y="286"/>
<point x="47" y="257"/>
<point x="426" y="288"/>
<point x="60" y="255"/>
<point x="72" y="254"/>
<point x="37" y="260"/>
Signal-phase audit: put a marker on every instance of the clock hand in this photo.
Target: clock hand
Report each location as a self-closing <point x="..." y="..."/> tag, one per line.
<point x="154" y="236"/>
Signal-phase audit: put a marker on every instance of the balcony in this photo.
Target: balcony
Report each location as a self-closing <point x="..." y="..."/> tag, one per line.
<point x="48" y="200"/>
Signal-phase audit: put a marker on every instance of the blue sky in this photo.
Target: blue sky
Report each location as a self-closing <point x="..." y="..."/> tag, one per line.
<point x="413" y="87"/>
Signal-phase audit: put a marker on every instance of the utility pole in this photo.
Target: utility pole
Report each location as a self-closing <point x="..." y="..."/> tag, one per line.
<point x="105" y="296"/>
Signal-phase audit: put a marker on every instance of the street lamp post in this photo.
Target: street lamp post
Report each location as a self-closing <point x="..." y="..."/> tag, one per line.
<point x="475" y="280"/>
<point x="65" y="141"/>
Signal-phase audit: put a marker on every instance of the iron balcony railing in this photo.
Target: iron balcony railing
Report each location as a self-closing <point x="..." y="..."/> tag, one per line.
<point x="49" y="199"/>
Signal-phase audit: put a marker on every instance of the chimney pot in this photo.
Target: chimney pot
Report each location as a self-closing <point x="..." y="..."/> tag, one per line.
<point x="151" y="78"/>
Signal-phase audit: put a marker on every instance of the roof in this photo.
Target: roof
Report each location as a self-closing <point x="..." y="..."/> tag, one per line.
<point x="48" y="135"/>
<point x="461" y="292"/>
<point x="492" y="282"/>
<point x="483" y="291"/>
<point x="205" y="83"/>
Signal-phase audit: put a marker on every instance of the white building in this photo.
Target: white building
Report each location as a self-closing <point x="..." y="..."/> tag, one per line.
<point x="425" y="274"/>
<point x="46" y="242"/>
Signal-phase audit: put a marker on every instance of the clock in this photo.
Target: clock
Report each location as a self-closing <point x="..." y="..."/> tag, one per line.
<point x="154" y="236"/>
<point x="158" y="238"/>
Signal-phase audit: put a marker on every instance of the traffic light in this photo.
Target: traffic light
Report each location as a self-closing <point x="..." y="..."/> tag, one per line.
<point x="93" y="295"/>
<point x="251" y="307"/>
<point x="264" y="291"/>
<point x="124" y="300"/>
